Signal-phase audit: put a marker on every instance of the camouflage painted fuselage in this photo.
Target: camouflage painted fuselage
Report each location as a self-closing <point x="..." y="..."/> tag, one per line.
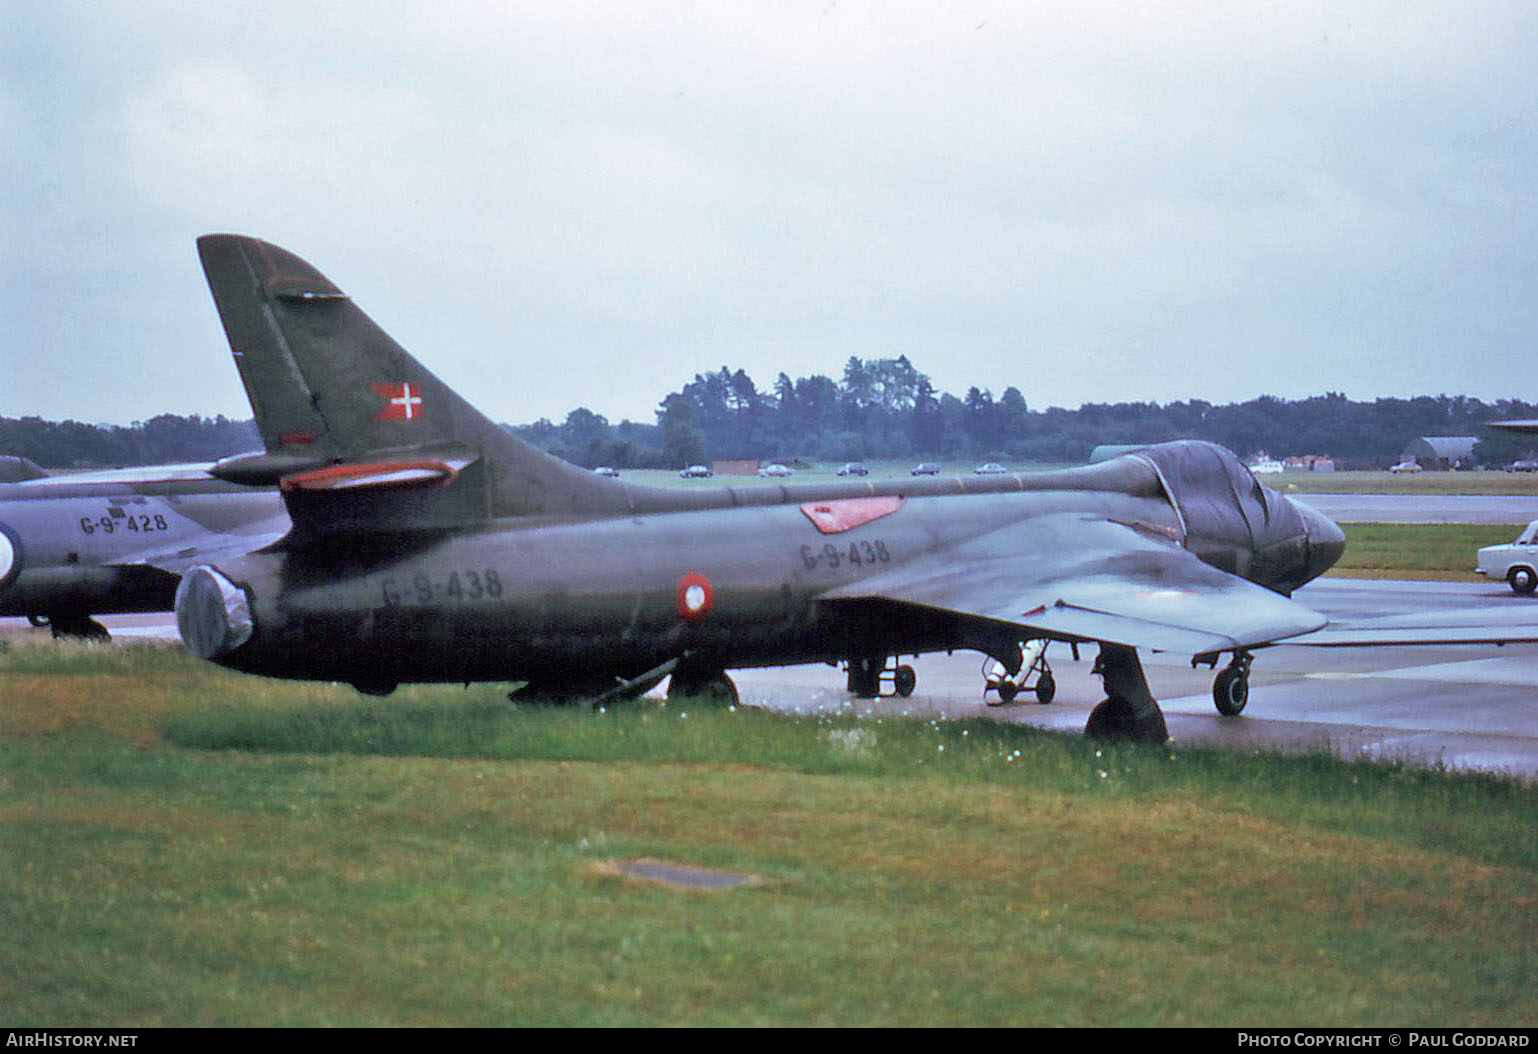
<point x="581" y="602"/>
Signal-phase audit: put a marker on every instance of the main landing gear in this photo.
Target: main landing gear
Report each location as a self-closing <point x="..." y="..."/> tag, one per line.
<point x="1029" y="662"/>
<point x="710" y="685"/>
<point x="72" y="627"/>
<point x="1231" y="687"/>
<point x="1129" y="710"/>
<point x="867" y="673"/>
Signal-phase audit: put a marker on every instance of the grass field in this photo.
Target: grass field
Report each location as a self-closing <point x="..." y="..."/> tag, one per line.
<point x="1516" y="483"/>
<point x="1418" y="550"/>
<point x="186" y="846"/>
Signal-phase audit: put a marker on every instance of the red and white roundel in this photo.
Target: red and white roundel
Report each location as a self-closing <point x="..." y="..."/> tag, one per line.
<point x="694" y="596"/>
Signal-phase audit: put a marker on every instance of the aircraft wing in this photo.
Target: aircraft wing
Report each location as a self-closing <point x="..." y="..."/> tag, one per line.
<point x="1073" y="576"/>
<point x="210" y="548"/>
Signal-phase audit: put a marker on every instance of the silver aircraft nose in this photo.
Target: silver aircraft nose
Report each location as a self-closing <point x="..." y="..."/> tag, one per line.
<point x="1326" y="541"/>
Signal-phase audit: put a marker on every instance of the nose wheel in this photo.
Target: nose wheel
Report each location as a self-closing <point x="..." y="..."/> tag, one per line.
<point x="1231" y="687"/>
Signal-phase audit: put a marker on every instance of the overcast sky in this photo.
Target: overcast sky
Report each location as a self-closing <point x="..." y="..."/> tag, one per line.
<point x="567" y="203"/>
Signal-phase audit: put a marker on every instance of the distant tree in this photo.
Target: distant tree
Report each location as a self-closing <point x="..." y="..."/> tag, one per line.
<point x="683" y="441"/>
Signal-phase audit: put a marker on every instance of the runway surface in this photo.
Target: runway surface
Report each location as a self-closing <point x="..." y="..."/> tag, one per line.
<point x="1472" y="707"/>
<point x="1424" y="508"/>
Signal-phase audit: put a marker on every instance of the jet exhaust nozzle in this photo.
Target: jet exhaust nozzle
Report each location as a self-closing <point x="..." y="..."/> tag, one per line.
<point x="212" y="613"/>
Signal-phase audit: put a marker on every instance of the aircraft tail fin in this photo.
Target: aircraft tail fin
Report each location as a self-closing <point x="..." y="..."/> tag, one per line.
<point x="358" y="433"/>
<point x="17" y="469"/>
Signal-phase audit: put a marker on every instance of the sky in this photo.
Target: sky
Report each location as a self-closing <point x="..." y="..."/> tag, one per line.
<point x="562" y="204"/>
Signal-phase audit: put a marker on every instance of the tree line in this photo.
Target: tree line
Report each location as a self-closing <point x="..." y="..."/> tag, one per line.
<point x="163" y="440"/>
<point x="879" y="409"/>
<point x="886" y="408"/>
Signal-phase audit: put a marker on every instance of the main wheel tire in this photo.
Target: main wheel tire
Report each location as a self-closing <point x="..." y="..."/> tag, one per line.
<point x="721" y="690"/>
<point x="379" y="689"/>
<point x="1230" y="691"/>
<point x="904" y="680"/>
<point x="1522" y="580"/>
<point x="82" y="628"/>
<point x="1110" y="719"/>
<point x="865" y="676"/>
<point x="715" y="688"/>
<point x="1046" y="689"/>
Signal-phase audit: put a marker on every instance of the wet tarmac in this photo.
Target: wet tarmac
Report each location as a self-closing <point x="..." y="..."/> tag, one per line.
<point x="1424" y="508"/>
<point x="1467" y="707"/>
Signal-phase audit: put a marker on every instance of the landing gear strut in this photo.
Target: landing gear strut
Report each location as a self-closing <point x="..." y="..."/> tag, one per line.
<point x="1129" y="710"/>
<point x="868" y="672"/>
<point x="1030" y="661"/>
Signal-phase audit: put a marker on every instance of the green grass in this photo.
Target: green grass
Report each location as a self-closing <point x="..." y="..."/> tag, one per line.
<point x="1511" y="483"/>
<point x="184" y="846"/>
<point x="1520" y="483"/>
<point x="1426" y="550"/>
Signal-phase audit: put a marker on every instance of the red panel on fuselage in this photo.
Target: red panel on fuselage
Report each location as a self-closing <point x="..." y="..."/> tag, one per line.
<point x="834" y="517"/>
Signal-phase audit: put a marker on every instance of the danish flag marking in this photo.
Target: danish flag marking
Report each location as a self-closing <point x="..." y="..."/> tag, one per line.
<point x="402" y="402"/>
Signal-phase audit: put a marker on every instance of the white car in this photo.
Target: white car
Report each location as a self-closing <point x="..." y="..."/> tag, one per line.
<point x="992" y="468"/>
<point x="1517" y="563"/>
<point x="1405" y="466"/>
<point x="775" y="470"/>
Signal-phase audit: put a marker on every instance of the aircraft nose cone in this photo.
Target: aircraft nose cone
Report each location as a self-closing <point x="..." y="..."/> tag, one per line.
<point x="1326" y="541"/>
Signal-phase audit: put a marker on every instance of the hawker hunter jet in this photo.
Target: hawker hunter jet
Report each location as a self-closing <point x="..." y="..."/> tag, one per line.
<point x="101" y="543"/>
<point x="427" y="544"/>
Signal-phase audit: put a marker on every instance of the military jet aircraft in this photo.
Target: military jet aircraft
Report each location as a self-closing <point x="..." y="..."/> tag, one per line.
<point x="429" y="545"/>
<point x="95" y="543"/>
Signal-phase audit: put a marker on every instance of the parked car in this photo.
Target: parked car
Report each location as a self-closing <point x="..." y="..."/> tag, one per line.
<point x="1517" y="563"/>
<point x="695" y="472"/>
<point x="1523" y="465"/>
<point x="775" y="470"/>
<point x="606" y="470"/>
<point x="926" y="469"/>
<point x="1405" y="466"/>
<point x="992" y="468"/>
<point x="854" y="468"/>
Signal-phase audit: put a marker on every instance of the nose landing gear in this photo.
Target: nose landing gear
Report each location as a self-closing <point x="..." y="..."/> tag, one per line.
<point x="1231" y="687"/>
<point x="1128" y="710"/>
